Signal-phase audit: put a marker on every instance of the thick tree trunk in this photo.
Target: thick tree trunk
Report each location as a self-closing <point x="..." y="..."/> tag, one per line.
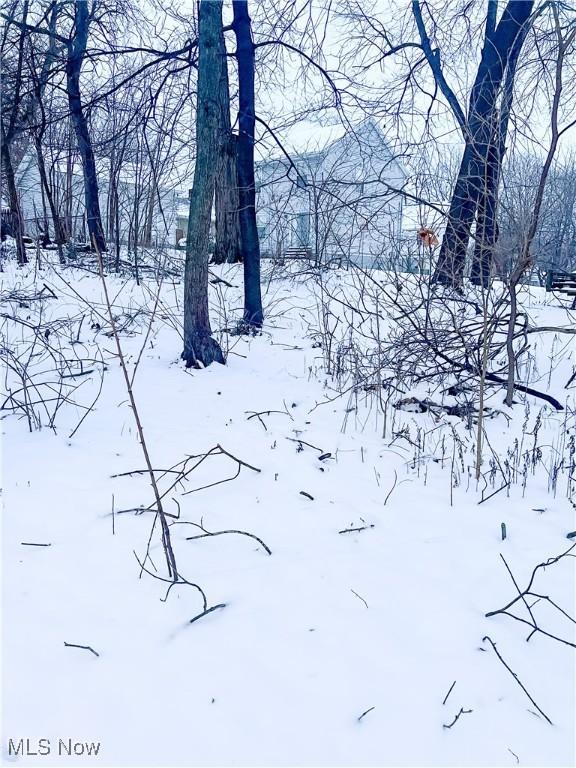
<point x="76" y="53"/>
<point x="14" y="202"/>
<point x="499" y="47"/>
<point x="487" y="226"/>
<point x="199" y="346"/>
<point x="245" y="54"/>
<point x="226" y="203"/>
<point x="227" y="247"/>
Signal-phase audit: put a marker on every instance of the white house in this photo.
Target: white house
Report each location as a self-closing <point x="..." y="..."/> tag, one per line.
<point x="337" y="203"/>
<point x="68" y="190"/>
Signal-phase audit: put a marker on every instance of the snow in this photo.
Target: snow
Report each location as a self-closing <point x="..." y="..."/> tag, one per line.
<point x="329" y="626"/>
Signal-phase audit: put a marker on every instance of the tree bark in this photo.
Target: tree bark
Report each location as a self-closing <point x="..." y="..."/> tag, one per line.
<point x="499" y="46"/>
<point x="199" y="346"/>
<point x="250" y="245"/>
<point x="74" y="59"/>
<point x="487" y="226"/>
<point x="14" y="202"/>
<point x="227" y="247"/>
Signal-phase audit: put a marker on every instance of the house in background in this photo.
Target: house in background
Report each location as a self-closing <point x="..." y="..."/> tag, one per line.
<point x="336" y="204"/>
<point x="153" y="218"/>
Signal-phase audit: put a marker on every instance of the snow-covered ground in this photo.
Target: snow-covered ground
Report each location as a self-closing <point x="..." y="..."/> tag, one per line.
<point x="341" y="646"/>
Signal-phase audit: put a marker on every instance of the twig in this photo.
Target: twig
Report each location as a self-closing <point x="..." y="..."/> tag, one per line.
<point x="303" y="442"/>
<point x="359" y="597"/>
<point x="33" y="544"/>
<point x="391" y="489"/>
<point x="207" y="534"/>
<point x="83" y="647"/>
<point x="207" y="611"/>
<point x="515" y="676"/>
<point x="449" y="692"/>
<point x="172" y="582"/>
<point x="457" y="717"/>
<point x="487" y="498"/>
<point x="515" y="755"/>
<point x="527" y="592"/>
<point x="258" y="415"/>
<point x="166" y="542"/>
<point x="365" y="713"/>
<point x="355" y="530"/>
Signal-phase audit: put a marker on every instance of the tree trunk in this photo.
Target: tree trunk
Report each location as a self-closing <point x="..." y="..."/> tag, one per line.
<point x="199" y="346"/>
<point x="227" y="247"/>
<point x="153" y="193"/>
<point x="500" y="46"/>
<point x="14" y="202"/>
<point x="250" y="245"/>
<point x="487" y="226"/>
<point x="76" y="53"/>
<point x="68" y="192"/>
<point x="226" y="203"/>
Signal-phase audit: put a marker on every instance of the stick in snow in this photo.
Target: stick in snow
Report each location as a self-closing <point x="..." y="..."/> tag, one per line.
<point x="359" y="597"/>
<point x="515" y="676"/>
<point x="206" y="534"/>
<point x="355" y="530"/>
<point x="207" y="611"/>
<point x="365" y="713"/>
<point x="457" y="717"/>
<point x="449" y="692"/>
<point x="83" y="647"/>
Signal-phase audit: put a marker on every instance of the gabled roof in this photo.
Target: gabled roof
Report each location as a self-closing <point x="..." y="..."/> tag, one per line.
<point x="315" y="142"/>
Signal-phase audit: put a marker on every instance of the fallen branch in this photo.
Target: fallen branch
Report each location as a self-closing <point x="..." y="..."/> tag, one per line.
<point x="528" y="592"/>
<point x="207" y="534"/>
<point x="515" y="676"/>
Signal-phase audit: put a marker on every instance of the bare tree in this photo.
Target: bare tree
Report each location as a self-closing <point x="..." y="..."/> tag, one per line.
<point x="199" y="346"/>
<point x="565" y="37"/>
<point x="12" y="118"/>
<point x="245" y="54"/>
<point x="76" y="51"/>
<point x="483" y="133"/>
